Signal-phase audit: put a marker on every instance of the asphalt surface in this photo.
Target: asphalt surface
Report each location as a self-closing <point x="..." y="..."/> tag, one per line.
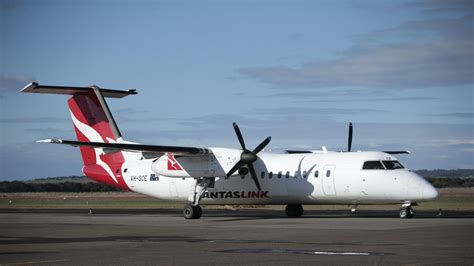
<point x="144" y="237"/>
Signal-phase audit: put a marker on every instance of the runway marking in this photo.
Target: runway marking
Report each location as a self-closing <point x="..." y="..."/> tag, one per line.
<point x="305" y="252"/>
<point x="342" y="253"/>
<point x="378" y="256"/>
<point x="36" y="262"/>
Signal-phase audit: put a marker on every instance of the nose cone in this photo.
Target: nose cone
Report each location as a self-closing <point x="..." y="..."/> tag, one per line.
<point x="420" y="189"/>
<point x="429" y="192"/>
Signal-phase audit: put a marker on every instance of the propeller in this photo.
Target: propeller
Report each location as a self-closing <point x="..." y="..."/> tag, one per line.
<point x="247" y="157"/>
<point x="349" y="140"/>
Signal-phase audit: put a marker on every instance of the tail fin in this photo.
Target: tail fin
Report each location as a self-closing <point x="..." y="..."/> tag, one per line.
<point x="93" y="122"/>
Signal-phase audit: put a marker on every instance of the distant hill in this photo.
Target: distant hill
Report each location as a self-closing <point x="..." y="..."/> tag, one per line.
<point x="441" y="173"/>
<point x="60" y="179"/>
<point x="439" y="178"/>
<point x="449" y="178"/>
<point x="56" y="184"/>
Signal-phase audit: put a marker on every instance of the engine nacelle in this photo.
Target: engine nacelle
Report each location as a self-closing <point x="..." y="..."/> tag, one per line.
<point x="216" y="164"/>
<point x="183" y="167"/>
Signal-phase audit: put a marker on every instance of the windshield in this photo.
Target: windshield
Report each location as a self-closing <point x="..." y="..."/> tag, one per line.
<point x="390" y="165"/>
<point x="373" y="165"/>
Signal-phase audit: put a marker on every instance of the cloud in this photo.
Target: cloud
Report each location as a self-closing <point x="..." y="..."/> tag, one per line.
<point x="444" y="56"/>
<point x="51" y="131"/>
<point x="13" y="83"/>
<point x="6" y="5"/>
<point x="457" y="115"/>
<point x="356" y="96"/>
<point x="296" y="36"/>
<point x="440" y="6"/>
<point x="313" y="111"/>
<point x="23" y="161"/>
<point x="130" y="110"/>
<point x="21" y="120"/>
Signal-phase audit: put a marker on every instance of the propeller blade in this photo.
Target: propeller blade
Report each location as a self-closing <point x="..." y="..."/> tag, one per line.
<point x="262" y="145"/>
<point x="254" y="175"/>
<point x="239" y="136"/>
<point x="349" y="140"/>
<point x="236" y="167"/>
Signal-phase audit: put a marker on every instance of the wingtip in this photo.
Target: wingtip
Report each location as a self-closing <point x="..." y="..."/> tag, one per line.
<point x="30" y="87"/>
<point x="49" y="141"/>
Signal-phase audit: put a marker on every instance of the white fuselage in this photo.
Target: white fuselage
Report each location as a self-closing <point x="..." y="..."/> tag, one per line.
<point x="310" y="178"/>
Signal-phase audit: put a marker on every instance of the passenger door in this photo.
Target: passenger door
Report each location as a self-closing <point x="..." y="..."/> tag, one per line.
<point x="328" y="176"/>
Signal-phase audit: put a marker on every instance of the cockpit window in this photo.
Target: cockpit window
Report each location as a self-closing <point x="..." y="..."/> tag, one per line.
<point x="373" y="165"/>
<point x="390" y="165"/>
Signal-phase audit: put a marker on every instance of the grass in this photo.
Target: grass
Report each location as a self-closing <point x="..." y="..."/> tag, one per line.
<point x="454" y="199"/>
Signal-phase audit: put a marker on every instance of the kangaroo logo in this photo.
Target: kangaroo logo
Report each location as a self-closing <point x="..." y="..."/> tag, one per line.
<point x="307" y="172"/>
<point x="93" y="136"/>
<point x="173" y="165"/>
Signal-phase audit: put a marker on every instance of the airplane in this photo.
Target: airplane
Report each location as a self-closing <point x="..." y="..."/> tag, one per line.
<point x="218" y="176"/>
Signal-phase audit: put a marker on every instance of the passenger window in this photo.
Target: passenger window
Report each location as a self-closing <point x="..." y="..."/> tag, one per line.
<point x="391" y="165"/>
<point x="373" y="165"/>
<point x="287" y="174"/>
<point x="262" y="175"/>
<point x="328" y="173"/>
<point x="316" y="173"/>
<point x="270" y="175"/>
<point x="296" y="174"/>
<point x="279" y="174"/>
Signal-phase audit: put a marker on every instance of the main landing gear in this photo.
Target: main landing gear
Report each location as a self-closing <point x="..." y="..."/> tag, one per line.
<point x="406" y="211"/>
<point x="193" y="210"/>
<point x="294" y="210"/>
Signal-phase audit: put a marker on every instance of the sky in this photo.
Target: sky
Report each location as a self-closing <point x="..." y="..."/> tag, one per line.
<point x="299" y="71"/>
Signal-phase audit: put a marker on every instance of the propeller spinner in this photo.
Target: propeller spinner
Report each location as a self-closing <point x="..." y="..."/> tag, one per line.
<point x="247" y="157"/>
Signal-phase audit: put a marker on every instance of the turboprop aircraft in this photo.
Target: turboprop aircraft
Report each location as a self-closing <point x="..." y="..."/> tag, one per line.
<point x="232" y="176"/>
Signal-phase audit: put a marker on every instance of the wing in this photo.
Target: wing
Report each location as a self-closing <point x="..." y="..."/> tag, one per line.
<point x="177" y="150"/>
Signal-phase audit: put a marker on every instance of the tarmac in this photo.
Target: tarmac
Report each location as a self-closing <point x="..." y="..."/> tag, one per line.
<point x="265" y="237"/>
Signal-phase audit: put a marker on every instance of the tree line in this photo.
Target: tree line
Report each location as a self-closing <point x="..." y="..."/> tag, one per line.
<point x="20" y="186"/>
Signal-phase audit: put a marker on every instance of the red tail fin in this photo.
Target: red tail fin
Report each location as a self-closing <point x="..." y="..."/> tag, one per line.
<point x="93" y="122"/>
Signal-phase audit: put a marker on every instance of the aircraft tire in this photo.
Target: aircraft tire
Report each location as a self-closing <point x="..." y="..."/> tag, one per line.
<point x="199" y="212"/>
<point x="406" y="213"/>
<point x="294" y="210"/>
<point x="192" y="212"/>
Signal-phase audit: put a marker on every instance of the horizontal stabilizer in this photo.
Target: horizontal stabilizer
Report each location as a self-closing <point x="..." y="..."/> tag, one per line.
<point x="36" y="88"/>
<point x="297" y="151"/>
<point x="397" y="152"/>
<point x="133" y="147"/>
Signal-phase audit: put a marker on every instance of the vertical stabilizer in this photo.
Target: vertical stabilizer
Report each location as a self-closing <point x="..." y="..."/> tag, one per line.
<point x="93" y="122"/>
